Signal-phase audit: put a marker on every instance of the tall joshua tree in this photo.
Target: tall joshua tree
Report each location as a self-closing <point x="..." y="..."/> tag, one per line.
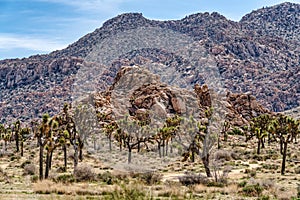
<point x="285" y="129"/>
<point x="51" y="142"/>
<point x="40" y="135"/>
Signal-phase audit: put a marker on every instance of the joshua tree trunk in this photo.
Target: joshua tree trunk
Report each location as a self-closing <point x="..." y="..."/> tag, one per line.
<point x="205" y="160"/>
<point x="159" y="149"/>
<point x="17" y="140"/>
<point x="110" y="147"/>
<point x="5" y="145"/>
<point x="163" y="150"/>
<point x="167" y="147"/>
<point x="129" y="153"/>
<point x="47" y="165"/>
<point x="41" y="158"/>
<point x="80" y="150"/>
<point x="171" y="146"/>
<point x="50" y="160"/>
<point x="258" y="146"/>
<point x="65" y="157"/>
<point x="193" y="151"/>
<point x="22" y="148"/>
<point x="281" y="146"/>
<point x="193" y="156"/>
<point x="80" y="154"/>
<point x="139" y="146"/>
<point x="283" y="158"/>
<point x="263" y="143"/>
<point x="75" y="156"/>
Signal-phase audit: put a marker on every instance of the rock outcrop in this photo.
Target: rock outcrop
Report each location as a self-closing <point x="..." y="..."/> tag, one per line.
<point x="139" y="94"/>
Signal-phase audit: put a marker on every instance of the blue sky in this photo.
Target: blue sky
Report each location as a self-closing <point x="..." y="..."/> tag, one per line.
<point x="30" y="27"/>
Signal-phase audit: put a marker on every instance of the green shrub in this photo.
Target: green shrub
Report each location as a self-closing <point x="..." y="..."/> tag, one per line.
<point x="127" y="192"/>
<point x="253" y="190"/>
<point x="34" y="178"/>
<point x="242" y="184"/>
<point x="215" y="184"/>
<point x="264" y="197"/>
<point x="65" y="178"/>
<point x="107" y="178"/>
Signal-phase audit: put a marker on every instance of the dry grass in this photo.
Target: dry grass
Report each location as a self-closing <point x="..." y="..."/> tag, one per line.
<point x="49" y="187"/>
<point x="15" y="185"/>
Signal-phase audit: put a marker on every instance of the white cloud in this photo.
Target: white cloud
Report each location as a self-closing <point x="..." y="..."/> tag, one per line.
<point x="9" y="42"/>
<point x="90" y="5"/>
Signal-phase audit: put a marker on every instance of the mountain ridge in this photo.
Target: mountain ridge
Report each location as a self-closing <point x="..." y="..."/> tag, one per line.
<point x="249" y="59"/>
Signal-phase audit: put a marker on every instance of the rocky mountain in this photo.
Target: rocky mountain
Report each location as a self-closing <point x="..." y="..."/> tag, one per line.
<point x="258" y="55"/>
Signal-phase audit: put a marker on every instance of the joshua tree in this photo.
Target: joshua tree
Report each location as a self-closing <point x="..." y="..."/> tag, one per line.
<point x="132" y="135"/>
<point x="16" y="130"/>
<point x="40" y="135"/>
<point x="63" y="140"/>
<point x="86" y="124"/>
<point x="109" y="130"/>
<point x="67" y="121"/>
<point x="5" y="135"/>
<point x="259" y="127"/>
<point x="225" y="130"/>
<point x="24" y="133"/>
<point x="52" y="142"/>
<point x="285" y="129"/>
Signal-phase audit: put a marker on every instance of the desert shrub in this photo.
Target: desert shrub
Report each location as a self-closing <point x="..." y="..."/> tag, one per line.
<point x="250" y="172"/>
<point x="235" y="155"/>
<point x="264" y="197"/>
<point x="25" y="163"/>
<point x="151" y="178"/>
<point x="215" y="184"/>
<point x="297" y="170"/>
<point x="266" y="183"/>
<point x="270" y="166"/>
<point x="65" y="178"/>
<point x="29" y="169"/>
<point x="107" y="178"/>
<point x="84" y="172"/>
<point x="236" y="131"/>
<point x="193" y="179"/>
<point x="127" y="192"/>
<point x="242" y="184"/>
<point x="222" y="155"/>
<point x="34" y="178"/>
<point x="253" y="190"/>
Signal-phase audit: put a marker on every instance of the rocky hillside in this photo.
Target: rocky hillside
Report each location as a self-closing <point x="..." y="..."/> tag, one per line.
<point x="258" y="55"/>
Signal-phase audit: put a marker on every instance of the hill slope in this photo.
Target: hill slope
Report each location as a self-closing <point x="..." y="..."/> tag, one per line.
<point x="258" y="55"/>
